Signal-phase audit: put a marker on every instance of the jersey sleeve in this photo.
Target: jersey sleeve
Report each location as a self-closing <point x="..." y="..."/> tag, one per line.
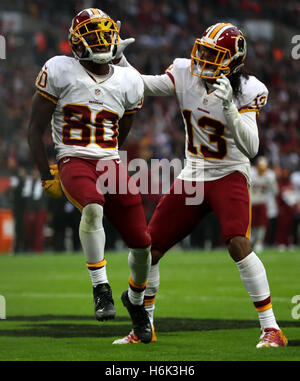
<point x="135" y="94"/>
<point x="46" y="81"/>
<point x="158" y="85"/>
<point x="254" y="95"/>
<point x="177" y="72"/>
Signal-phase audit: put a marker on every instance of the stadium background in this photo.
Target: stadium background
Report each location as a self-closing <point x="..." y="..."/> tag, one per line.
<point x="164" y="30"/>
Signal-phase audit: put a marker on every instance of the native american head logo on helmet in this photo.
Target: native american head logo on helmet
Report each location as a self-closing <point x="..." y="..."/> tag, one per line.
<point x="93" y="36"/>
<point x="221" y="49"/>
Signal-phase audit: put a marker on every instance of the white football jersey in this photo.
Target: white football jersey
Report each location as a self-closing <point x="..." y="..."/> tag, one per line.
<point x="210" y="145"/>
<point x="85" y="120"/>
<point x="263" y="186"/>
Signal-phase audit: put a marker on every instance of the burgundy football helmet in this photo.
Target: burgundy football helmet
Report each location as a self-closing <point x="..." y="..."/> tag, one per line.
<point x="93" y="36"/>
<point x="222" y="49"/>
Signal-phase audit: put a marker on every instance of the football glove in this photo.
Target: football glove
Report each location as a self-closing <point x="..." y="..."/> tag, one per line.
<point x="224" y="91"/>
<point x="122" y="43"/>
<point x="52" y="187"/>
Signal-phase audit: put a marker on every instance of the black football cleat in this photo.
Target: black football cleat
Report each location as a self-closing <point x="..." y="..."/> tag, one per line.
<point x="103" y="302"/>
<point x="140" y="319"/>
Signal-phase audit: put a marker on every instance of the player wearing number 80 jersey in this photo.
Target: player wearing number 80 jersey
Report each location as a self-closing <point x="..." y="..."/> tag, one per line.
<point x="85" y="119"/>
<point x="91" y="104"/>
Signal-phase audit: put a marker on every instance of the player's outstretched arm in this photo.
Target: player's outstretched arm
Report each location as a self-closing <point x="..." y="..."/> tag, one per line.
<point x="125" y="125"/>
<point x="41" y="113"/>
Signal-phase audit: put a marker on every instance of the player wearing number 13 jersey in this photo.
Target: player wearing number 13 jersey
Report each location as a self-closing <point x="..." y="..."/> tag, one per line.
<point x="219" y="106"/>
<point x="91" y="104"/>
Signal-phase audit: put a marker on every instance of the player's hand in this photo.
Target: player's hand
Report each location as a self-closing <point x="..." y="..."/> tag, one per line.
<point x="223" y="91"/>
<point x="122" y="43"/>
<point x="52" y="187"/>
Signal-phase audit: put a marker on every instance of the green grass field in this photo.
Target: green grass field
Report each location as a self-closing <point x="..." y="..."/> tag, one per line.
<point x="203" y="312"/>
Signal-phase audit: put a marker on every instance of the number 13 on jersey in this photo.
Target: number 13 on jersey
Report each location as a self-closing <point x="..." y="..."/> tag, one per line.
<point x="218" y="148"/>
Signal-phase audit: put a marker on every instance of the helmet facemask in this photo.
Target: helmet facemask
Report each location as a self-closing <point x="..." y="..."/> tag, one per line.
<point x="209" y="61"/>
<point x="95" y="40"/>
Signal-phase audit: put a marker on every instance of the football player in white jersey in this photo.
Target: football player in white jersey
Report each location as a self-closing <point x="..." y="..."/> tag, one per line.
<point x="219" y="106"/>
<point x="263" y="186"/>
<point x="91" y="105"/>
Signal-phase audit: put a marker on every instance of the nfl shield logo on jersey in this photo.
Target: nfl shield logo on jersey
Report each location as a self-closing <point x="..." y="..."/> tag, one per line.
<point x="97" y="92"/>
<point x="205" y="101"/>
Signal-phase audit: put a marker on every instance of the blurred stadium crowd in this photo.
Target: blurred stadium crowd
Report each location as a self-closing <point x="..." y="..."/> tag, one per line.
<point x="36" y="30"/>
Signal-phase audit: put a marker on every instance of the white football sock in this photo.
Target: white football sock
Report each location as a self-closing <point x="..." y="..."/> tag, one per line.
<point x="139" y="261"/>
<point x="254" y="278"/>
<point x="151" y="290"/>
<point x="267" y="319"/>
<point x="92" y="237"/>
<point x="98" y="276"/>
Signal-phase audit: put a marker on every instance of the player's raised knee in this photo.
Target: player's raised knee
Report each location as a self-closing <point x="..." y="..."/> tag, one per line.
<point x="92" y="216"/>
<point x="239" y="247"/>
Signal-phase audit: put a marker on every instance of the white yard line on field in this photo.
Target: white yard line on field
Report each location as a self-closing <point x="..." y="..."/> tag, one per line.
<point x="45" y="295"/>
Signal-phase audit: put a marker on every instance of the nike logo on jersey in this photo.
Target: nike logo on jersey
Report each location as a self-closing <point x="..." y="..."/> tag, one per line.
<point x="66" y="160"/>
